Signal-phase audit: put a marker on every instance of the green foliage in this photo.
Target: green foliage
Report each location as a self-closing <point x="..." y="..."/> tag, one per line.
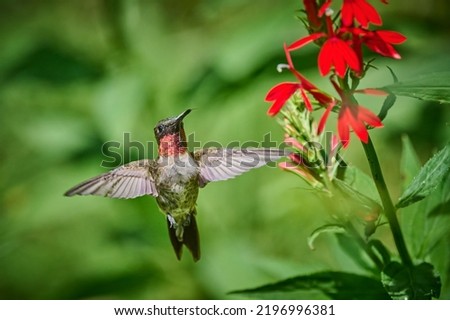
<point x="387" y="105"/>
<point x="434" y="172"/>
<point x="419" y="282"/>
<point x="390" y="100"/>
<point x="432" y="87"/>
<point x="409" y="163"/>
<point x="351" y="190"/>
<point x="352" y="247"/>
<point x="328" y="228"/>
<point x="358" y="186"/>
<point x="381" y="250"/>
<point x="426" y="222"/>
<point x="422" y="230"/>
<point x="334" y="285"/>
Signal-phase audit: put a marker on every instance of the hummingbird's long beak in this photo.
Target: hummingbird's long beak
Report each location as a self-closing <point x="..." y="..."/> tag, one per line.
<point x="183" y="115"/>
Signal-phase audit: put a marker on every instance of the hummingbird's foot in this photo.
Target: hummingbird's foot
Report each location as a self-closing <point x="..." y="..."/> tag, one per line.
<point x="173" y="223"/>
<point x="179" y="227"/>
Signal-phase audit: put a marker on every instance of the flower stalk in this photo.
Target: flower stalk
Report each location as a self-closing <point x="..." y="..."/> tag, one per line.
<point x="389" y="208"/>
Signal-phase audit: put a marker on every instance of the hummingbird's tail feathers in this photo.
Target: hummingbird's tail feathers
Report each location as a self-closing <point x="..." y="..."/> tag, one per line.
<point x="176" y="244"/>
<point x="190" y="239"/>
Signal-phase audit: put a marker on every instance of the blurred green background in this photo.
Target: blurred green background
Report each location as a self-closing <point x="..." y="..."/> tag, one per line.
<point x="75" y="74"/>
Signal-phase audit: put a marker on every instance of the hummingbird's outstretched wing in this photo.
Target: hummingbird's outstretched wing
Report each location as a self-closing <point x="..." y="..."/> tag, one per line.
<point x="218" y="164"/>
<point x="131" y="180"/>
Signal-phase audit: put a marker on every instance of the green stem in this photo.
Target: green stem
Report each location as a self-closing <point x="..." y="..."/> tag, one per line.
<point x="389" y="209"/>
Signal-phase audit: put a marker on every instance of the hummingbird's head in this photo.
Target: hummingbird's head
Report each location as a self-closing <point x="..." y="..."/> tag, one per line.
<point x="170" y="134"/>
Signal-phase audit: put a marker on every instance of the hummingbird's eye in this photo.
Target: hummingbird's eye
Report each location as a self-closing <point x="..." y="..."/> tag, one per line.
<point x="159" y="129"/>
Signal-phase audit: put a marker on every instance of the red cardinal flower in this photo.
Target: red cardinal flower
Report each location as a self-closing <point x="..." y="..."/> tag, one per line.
<point x="359" y="10"/>
<point x="355" y="116"/>
<point x="281" y="93"/>
<point x="335" y="52"/>
<point x="311" y="8"/>
<point x="381" y="41"/>
<point x="351" y="116"/>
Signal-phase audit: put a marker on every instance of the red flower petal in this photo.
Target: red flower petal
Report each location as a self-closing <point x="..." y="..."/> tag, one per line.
<point x="324" y="118"/>
<point x="391" y="36"/>
<point x="375" y="43"/>
<point x="381" y="41"/>
<point x="297" y="74"/>
<point x="347" y="14"/>
<point x="306" y="100"/>
<point x="280" y="90"/>
<point x="306" y="84"/>
<point x="288" y="57"/>
<point x="349" y="55"/>
<point x="356" y="117"/>
<point x="321" y="97"/>
<point x="343" y="129"/>
<point x="304" y="41"/>
<point x="324" y="8"/>
<point x="369" y="117"/>
<point x="361" y="11"/>
<point x="337" y="52"/>
<point x="369" y="11"/>
<point x="326" y="58"/>
<point x="357" y="124"/>
<point x="312" y="13"/>
<point x="280" y="94"/>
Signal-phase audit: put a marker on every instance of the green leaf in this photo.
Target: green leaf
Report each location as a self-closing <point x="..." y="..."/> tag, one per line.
<point x="412" y="221"/>
<point x="442" y="264"/>
<point x="328" y="228"/>
<point x="409" y="163"/>
<point x="360" y="183"/>
<point x="419" y="282"/>
<point x="354" y="251"/>
<point x="355" y="195"/>
<point x="381" y="249"/>
<point x="442" y="208"/>
<point x="425" y="223"/>
<point x="334" y="285"/>
<point x="432" y="87"/>
<point x="358" y="203"/>
<point x="387" y="104"/>
<point x="429" y="177"/>
<point x="394" y="76"/>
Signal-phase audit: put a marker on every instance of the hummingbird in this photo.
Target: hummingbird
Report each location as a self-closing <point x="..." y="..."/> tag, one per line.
<point x="174" y="178"/>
